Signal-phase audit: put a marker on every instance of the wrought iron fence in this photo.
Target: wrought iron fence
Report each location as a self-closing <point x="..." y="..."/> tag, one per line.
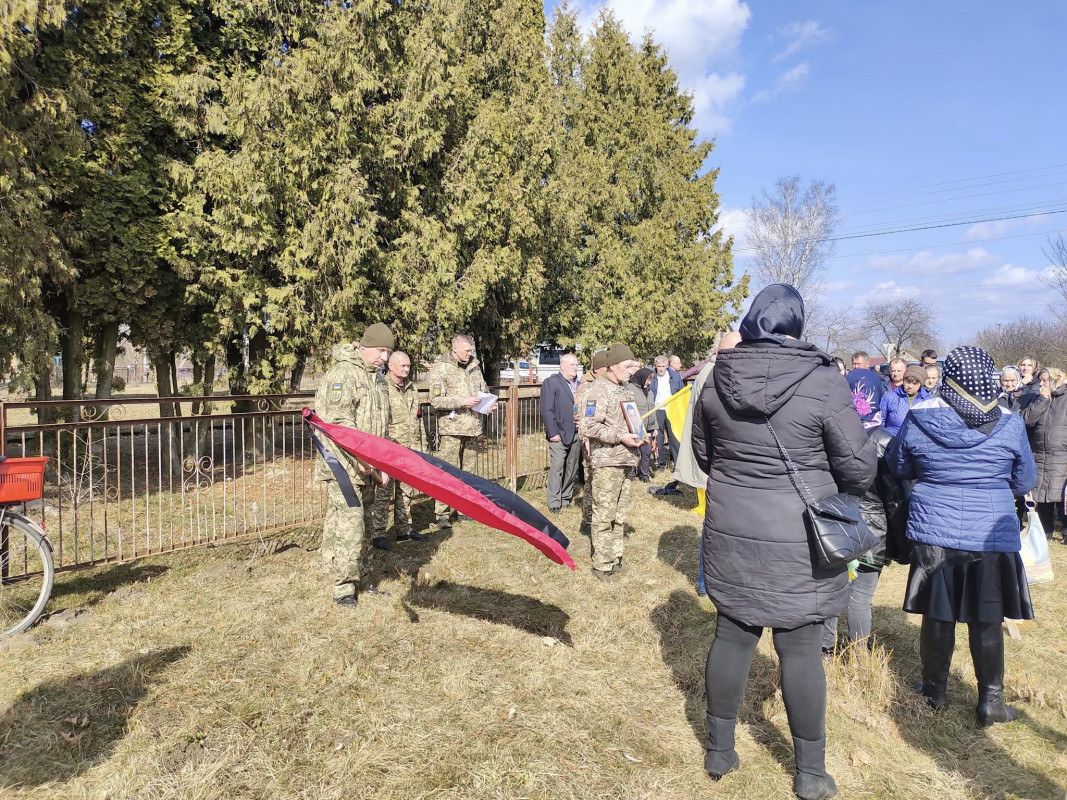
<point x="126" y="481"/>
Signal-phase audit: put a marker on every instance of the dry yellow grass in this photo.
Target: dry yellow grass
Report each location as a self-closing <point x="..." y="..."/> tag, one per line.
<point x="489" y="673"/>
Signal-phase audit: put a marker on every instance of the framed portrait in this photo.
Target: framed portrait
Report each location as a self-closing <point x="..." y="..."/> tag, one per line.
<point x="633" y="418"/>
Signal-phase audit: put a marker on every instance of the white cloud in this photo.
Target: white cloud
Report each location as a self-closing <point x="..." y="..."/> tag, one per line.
<point x="714" y="97"/>
<point x="928" y="263"/>
<point x="800" y="35"/>
<point x="698" y="33"/>
<point x="734" y="222"/>
<point x="1002" y="227"/>
<point x="702" y="38"/>
<point x="887" y="290"/>
<point x="839" y="286"/>
<point x="1009" y="276"/>
<point x="789" y="81"/>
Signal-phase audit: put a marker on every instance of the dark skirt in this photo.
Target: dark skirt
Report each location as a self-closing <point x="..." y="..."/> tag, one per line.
<point x="966" y="586"/>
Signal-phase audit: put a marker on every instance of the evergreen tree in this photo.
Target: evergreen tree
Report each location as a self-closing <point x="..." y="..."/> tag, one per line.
<point x="636" y="256"/>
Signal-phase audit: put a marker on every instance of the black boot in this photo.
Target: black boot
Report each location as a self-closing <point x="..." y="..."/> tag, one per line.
<point x="812" y="781"/>
<point x="721" y="757"/>
<point x="987" y="652"/>
<point x="937" y="640"/>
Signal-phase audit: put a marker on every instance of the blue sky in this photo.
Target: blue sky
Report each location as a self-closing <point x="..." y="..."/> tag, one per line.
<point x="920" y="113"/>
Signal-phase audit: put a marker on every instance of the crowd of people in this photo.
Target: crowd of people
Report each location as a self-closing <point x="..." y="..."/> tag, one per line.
<point x="938" y="455"/>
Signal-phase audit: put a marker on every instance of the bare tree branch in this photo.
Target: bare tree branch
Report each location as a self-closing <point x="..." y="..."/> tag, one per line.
<point x="904" y="323"/>
<point x="1056" y="253"/>
<point x="791" y="234"/>
<point x="1043" y="339"/>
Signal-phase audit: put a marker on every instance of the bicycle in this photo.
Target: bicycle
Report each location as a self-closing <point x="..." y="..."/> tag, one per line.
<point x="27" y="573"/>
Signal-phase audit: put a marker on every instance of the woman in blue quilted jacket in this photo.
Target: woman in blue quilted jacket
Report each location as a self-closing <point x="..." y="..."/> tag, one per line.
<point x="968" y="458"/>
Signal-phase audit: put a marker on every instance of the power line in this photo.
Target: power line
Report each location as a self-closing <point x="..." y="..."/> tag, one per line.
<point x="950" y="244"/>
<point x="961" y="180"/>
<point x="913" y="229"/>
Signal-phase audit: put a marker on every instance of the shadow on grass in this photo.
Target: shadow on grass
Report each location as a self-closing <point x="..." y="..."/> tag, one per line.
<point x="686" y="631"/>
<point x="100" y="583"/>
<point x="490" y="605"/>
<point x="679" y="548"/>
<point x="951" y="738"/>
<point x="61" y="728"/>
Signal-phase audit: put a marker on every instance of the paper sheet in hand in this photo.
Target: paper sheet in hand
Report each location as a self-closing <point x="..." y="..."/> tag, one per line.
<point x="486" y="402"/>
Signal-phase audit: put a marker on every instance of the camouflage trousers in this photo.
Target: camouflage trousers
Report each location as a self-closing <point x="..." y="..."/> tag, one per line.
<point x="401" y="496"/>
<point x="452" y="449"/>
<point x="587" y="489"/>
<point x="344" y="540"/>
<point x="611" y="504"/>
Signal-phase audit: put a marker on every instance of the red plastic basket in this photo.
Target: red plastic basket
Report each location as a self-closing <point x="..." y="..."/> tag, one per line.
<point x="21" y="479"/>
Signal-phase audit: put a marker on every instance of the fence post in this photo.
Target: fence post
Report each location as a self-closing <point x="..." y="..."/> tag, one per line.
<point x="511" y="438"/>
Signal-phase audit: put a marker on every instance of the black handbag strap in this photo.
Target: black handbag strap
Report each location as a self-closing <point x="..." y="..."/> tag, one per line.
<point x="794" y="473"/>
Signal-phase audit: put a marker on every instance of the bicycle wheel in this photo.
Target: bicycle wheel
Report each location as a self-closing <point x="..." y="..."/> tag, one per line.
<point x="26" y="573"/>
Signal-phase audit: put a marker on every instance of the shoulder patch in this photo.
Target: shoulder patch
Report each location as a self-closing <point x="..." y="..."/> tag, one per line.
<point x="437" y="390"/>
<point x="338" y="385"/>
<point x="590" y="407"/>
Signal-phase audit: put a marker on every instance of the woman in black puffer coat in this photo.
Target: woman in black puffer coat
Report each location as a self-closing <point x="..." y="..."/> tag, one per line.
<point x="758" y="562"/>
<point x="1046" y="425"/>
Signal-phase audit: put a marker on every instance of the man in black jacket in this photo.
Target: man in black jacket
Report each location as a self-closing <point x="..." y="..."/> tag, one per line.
<point x="557" y="413"/>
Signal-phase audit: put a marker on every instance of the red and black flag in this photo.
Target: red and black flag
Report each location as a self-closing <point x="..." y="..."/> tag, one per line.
<point x="478" y="498"/>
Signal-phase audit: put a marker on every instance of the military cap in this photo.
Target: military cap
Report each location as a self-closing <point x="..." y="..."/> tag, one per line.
<point x="378" y="335"/>
<point x="600" y="360"/>
<point x="618" y="353"/>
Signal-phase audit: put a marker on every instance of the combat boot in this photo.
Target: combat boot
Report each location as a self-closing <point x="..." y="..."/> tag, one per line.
<point x="937" y="640"/>
<point x="987" y="652"/>
<point x="812" y="782"/>
<point x="721" y="757"/>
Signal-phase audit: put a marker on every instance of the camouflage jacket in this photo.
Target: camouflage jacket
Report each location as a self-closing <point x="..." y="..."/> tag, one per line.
<point x="602" y="423"/>
<point x="351" y="393"/>
<point x="404" y="416"/>
<point x="579" y="397"/>
<point x="450" y="385"/>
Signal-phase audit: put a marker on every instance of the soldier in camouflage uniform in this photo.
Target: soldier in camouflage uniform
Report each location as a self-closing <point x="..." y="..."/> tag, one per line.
<point x="352" y="393"/>
<point x="455" y="380"/>
<point x="613" y="452"/>
<point x="596" y="369"/>
<point x="404" y="428"/>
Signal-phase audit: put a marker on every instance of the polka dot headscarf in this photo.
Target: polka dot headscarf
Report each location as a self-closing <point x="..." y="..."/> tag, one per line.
<point x="969" y="386"/>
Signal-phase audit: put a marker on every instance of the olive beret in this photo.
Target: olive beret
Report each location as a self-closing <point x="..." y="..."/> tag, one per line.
<point x="618" y="353"/>
<point x="378" y="335"/>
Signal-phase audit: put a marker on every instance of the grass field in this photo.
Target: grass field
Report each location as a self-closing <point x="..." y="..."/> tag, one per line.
<point x="490" y="672"/>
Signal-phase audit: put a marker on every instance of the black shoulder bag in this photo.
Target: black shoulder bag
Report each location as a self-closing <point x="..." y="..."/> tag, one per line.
<point x="834" y="523"/>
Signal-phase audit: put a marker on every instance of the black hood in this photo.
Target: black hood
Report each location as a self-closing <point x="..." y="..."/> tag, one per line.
<point x="756" y="379"/>
<point x="776" y="313"/>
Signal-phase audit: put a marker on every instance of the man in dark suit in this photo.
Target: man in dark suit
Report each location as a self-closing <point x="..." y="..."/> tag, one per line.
<point x="557" y="412"/>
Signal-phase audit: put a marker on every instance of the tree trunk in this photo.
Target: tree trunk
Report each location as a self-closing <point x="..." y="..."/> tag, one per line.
<point x="169" y="432"/>
<point x="43" y="386"/>
<point x="71" y="344"/>
<point x="106" y="349"/>
<point x="162" y="362"/>
<point x="297" y="375"/>
<point x="203" y="382"/>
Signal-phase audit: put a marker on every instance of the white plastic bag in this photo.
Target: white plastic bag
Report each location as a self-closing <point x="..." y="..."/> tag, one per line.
<point x="1034" y="551"/>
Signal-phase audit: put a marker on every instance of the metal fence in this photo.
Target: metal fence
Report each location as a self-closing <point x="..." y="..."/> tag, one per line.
<point x="125" y="482"/>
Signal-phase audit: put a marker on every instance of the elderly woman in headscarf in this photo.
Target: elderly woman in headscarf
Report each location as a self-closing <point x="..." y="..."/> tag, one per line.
<point x="1046" y="424"/>
<point x="1010" y="379"/>
<point x="758" y="565"/>
<point x="968" y="458"/>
